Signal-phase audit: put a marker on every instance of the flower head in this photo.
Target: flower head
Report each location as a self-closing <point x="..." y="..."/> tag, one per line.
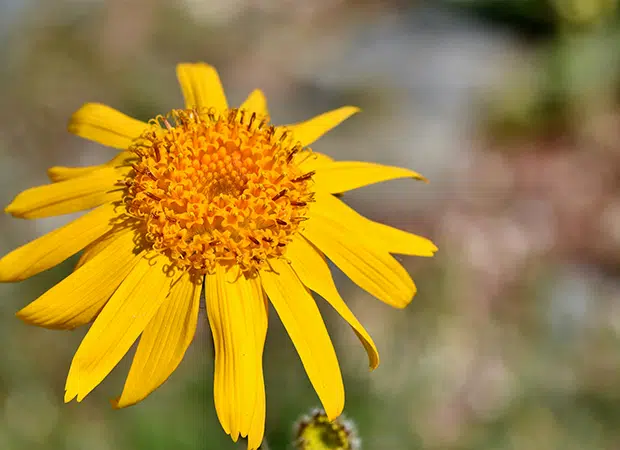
<point x="213" y="196"/>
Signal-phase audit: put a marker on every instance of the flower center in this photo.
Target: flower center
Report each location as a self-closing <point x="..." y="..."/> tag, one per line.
<point x="218" y="189"/>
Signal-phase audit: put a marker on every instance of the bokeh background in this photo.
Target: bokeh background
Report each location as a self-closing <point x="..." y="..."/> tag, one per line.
<point x="510" y="107"/>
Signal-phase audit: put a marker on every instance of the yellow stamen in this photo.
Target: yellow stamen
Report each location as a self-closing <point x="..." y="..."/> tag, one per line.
<point x="218" y="189"/>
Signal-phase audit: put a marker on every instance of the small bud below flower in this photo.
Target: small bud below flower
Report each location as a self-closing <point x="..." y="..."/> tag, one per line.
<point x="316" y="432"/>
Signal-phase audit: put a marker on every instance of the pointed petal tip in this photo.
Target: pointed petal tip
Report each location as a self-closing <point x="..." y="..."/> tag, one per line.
<point x="256" y="102"/>
<point x="101" y="123"/>
<point x="309" y="131"/>
<point x="334" y="410"/>
<point x="69" y="396"/>
<point x="16" y="212"/>
<point x="201" y="86"/>
<point x="54" y="173"/>
<point x="406" y="303"/>
<point x="418" y="176"/>
<point x="10" y="209"/>
<point x="332" y="416"/>
<point x="373" y="365"/>
<point x="430" y="249"/>
<point x="118" y="404"/>
<point x="8" y="274"/>
<point x="253" y="442"/>
<point x="75" y="120"/>
<point x="26" y="316"/>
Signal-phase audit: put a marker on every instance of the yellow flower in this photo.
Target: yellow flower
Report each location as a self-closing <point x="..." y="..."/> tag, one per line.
<point x="217" y="196"/>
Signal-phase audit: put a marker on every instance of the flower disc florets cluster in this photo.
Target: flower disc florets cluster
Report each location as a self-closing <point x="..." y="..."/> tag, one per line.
<point x="218" y="189"/>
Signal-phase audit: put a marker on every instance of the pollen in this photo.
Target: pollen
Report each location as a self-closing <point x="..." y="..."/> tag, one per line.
<point x="218" y="188"/>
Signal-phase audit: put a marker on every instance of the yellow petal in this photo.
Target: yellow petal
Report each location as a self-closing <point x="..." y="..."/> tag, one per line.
<point x="90" y="190"/>
<point x="361" y="258"/>
<point x="344" y="176"/>
<point x="61" y="173"/>
<point x="237" y="313"/>
<point x="105" y="125"/>
<point x="399" y="241"/>
<point x="53" y="248"/>
<point x="257" y="426"/>
<point x="118" y="325"/>
<point x="77" y="299"/>
<point x="313" y="271"/>
<point x="302" y="320"/>
<point x="307" y="161"/>
<point x="309" y="131"/>
<point x="256" y="102"/>
<point x="201" y="86"/>
<point x="391" y="239"/>
<point x="93" y="249"/>
<point x="164" y="342"/>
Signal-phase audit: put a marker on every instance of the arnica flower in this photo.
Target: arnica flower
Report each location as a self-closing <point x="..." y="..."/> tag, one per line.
<point x="213" y="196"/>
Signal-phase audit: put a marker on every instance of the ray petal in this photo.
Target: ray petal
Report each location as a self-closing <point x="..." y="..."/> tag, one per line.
<point x="201" y="86"/>
<point x="304" y="324"/>
<point x="105" y="125"/>
<point x="122" y="320"/>
<point x="237" y="314"/>
<point x="164" y="342"/>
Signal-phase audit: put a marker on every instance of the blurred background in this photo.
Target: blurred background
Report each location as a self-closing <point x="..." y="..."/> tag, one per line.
<point x="510" y="107"/>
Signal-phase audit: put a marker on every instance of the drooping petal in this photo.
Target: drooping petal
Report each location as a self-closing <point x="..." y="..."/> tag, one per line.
<point x="118" y="325"/>
<point x="53" y="248"/>
<point x="164" y="342"/>
<point x="344" y="176"/>
<point x="61" y="173"/>
<point x="389" y="238"/>
<point x="237" y="313"/>
<point x="360" y="257"/>
<point x="308" y="161"/>
<point x="78" y="299"/>
<point x="304" y="324"/>
<point x="88" y="191"/>
<point x="201" y="86"/>
<point x="105" y="125"/>
<point x="309" y="131"/>
<point x="313" y="271"/>
<point x="257" y="426"/>
<point x="256" y="102"/>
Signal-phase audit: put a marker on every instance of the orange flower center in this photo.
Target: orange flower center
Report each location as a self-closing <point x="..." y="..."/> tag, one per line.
<point x="218" y="189"/>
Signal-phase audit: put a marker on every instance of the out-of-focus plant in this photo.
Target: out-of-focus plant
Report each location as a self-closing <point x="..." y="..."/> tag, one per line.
<point x="585" y="12"/>
<point x="573" y="74"/>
